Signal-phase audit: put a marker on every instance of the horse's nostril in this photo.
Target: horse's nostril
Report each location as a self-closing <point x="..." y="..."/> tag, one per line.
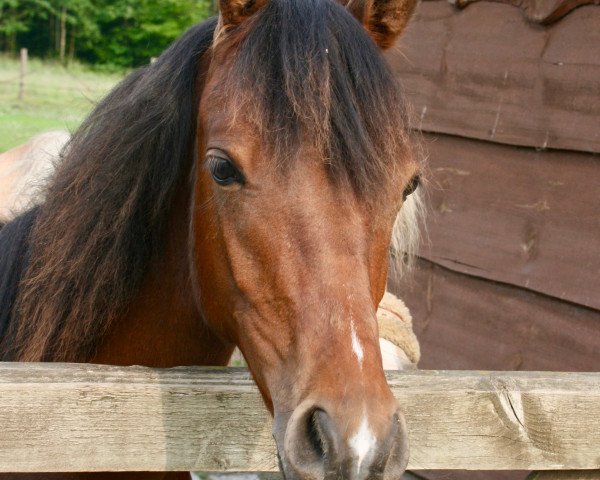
<point x="308" y="443"/>
<point x="322" y="435"/>
<point x="398" y="456"/>
<point x="314" y="429"/>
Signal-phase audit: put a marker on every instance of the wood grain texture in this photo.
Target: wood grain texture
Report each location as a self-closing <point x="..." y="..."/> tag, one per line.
<point x="538" y="11"/>
<point x="517" y="216"/>
<point x="486" y="72"/>
<point x="467" y="323"/>
<point x="83" y="417"/>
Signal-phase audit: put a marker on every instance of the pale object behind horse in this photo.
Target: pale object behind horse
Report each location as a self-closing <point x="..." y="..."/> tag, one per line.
<point x="24" y="171"/>
<point x="399" y="345"/>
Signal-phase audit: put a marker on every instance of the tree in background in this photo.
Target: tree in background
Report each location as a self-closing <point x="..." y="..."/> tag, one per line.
<point x="133" y="31"/>
<point x="16" y="17"/>
<point x="125" y="33"/>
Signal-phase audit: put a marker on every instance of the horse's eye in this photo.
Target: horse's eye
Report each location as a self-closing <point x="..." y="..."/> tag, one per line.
<point x="224" y="172"/>
<point x="411" y="187"/>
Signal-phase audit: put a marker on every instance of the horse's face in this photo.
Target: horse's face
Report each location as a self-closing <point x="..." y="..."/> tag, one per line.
<point x="290" y="265"/>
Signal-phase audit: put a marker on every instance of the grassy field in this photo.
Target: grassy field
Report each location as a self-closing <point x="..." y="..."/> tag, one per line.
<point x="55" y="98"/>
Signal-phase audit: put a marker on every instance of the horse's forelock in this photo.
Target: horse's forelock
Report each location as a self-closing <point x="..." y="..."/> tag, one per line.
<point x="307" y="69"/>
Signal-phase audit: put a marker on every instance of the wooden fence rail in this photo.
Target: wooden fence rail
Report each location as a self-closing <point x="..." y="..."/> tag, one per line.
<point x="56" y="417"/>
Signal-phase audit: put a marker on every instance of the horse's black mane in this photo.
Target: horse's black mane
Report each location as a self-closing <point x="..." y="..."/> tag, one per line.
<point x="106" y="208"/>
<point x="306" y="66"/>
<point x="14" y="256"/>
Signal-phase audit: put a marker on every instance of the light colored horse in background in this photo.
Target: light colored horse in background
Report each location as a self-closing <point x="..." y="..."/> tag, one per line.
<point x="25" y="169"/>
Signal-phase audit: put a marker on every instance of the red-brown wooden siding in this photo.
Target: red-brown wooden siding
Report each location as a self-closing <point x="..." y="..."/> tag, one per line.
<point x="510" y="276"/>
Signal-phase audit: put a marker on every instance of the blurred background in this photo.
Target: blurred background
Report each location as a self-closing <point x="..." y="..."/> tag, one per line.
<point x="76" y="51"/>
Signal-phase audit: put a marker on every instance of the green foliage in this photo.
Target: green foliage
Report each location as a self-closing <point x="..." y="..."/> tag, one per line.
<point x="133" y="31"/>
<point x="16" y="17"/>
<point x="124" y="33"/>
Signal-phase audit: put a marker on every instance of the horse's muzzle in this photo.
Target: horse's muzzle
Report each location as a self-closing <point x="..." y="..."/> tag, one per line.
<point x="314" y="448"/>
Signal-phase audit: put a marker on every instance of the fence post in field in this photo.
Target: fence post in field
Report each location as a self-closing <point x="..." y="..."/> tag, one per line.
<point x="23" y="72"/>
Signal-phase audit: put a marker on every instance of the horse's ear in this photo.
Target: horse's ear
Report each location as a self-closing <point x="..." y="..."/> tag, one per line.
<point x="234" y="12"/>
<point x="385" y="20"/>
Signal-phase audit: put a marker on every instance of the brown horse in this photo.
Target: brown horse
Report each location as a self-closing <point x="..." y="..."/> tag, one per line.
<point x="24" y="170"/>
<point x="242" y="190"/>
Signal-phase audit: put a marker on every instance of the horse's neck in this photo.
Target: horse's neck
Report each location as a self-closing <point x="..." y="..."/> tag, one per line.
<point x="162" y="327"/>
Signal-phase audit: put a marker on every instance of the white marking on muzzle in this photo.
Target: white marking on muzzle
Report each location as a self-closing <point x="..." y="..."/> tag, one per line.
<point x="362" y="443"/>
<point x="356" y="346"/>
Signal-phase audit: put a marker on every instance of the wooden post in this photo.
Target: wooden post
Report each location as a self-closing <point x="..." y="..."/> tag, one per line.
<point x="23" y="72"/>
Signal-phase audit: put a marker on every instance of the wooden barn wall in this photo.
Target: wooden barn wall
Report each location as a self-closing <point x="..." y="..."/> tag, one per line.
<point x="466" y="323"/>
<point x="486" y="72"/>
<point x="509" y="273"/>
<point x="509" y="277"/>
<point x="516" y="215"/>
<point x="506" y="218"/>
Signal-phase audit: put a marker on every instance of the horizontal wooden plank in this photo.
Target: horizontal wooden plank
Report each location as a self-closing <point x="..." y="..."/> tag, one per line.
<point x="91" y="418"/>
<point x="546" y="11"/>
<point x="486" y="72"/>
<point x="467" y="323"/>
<point x="516" y="216"/>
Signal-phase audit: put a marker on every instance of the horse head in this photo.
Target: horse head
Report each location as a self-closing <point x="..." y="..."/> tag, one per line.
<point x="303" y="163"/>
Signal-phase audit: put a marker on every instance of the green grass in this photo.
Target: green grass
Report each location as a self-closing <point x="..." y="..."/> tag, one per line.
<point x="55" y="98"/>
